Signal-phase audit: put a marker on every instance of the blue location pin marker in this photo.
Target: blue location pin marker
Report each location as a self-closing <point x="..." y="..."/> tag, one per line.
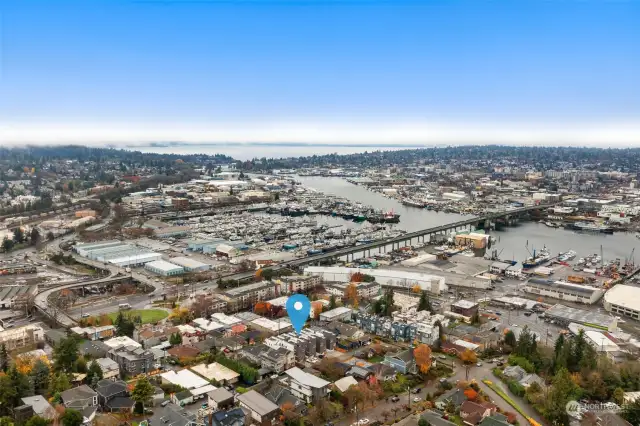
<point x="298" y="307"/>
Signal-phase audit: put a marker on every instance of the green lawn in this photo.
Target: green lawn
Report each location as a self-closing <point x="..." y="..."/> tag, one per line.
<point x="147" y="315"/>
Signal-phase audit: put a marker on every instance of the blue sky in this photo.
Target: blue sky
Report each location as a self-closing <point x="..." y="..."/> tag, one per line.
<point x="238" y="64"/>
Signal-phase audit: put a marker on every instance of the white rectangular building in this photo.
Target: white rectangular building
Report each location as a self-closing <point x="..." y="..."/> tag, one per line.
<point x="190" y="265"/>
<point x="386" y="277"/>
<point x="164" y="268"/>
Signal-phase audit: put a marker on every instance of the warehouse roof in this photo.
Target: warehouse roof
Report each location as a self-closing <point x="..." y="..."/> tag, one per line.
<point x="575" y="288"/>
<point x="163" y="265"/>
<point x="623" y="295"/>
<point x="188" y="263"/>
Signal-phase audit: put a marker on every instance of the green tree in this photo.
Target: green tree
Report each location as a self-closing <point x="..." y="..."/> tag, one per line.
<point x="81" y="365"/>
<point x="424" y="304"/>
<point x="59" y="383"/>
<point x="71" y="417"/>
<point x="65" y="354"/>
<point x="7" y="244"/>
<point x="332" y="302"/>
<point x="175" y="338"/>
<point x="37" y="421"/>
<point x="40" y="376"/>
<point x="618" y="396"/>
<point x="18" y="235"/>
<point x="34" y="238"/>
<point x="8" y="395"/>
<point x="510" y="339"/>
<point x="21" y="383"/>
<point x="142" y="392"/>
<point x="4" y="358"/>
<point x="631" y="412"/>
<point x="6" y="421"/>
<point x="562" y="391"/>
<point x="94" y="373"/>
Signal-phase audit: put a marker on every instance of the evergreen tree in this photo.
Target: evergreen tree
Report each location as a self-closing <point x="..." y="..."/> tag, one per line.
<point x="65" y="354"/>
<point x="94" y="373"/>
<point x="40" y="376"/>
<point x="142" y="392"/>
<point x="424" y="304"/>
<point x="71" y="417"/>
<point x="4" y="358"/>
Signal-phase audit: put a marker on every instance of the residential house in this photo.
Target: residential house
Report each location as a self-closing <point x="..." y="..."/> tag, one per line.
<point x="184" y="351"/>
<point x="472" y="413"/>
<point x="277" y="359"/>
<point x="403" y="362"/>
<point x="110" y="368"/>
<point x="434" y="418"/>
<point x="113" y="396"/>
<point x="383" y="372"/>
<point x="495" y="420"/>
<point x="306" y="386"/>
<point x="233" y="417"/>
<point x="40" y="406"/>
<point x="171" y="415"/>
<point x="93" y="349"/>
<point x="514" y="372"/>
<point x="263" y="412"/>
<point x="182" y="398"/>
<point x="220" y="399"/>
<point x="133" y="360"/>
<point x="529" y="379"/>
<point x="345" y="383"/>
<point x="83" y="399"/>
<point x="454" y="396"/>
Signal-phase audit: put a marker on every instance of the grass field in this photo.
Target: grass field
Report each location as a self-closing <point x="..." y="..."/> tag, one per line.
<point x="147" y="315"/>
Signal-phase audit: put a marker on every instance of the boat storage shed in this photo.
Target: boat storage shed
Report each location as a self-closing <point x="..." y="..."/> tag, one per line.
<point x="164" y="268"/>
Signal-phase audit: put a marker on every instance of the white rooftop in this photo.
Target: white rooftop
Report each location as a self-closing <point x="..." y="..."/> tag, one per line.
<point x="185" y="378"/>
<point x="305" y="378"/>
<point x="119" y="341"/>
<point x="215" y="371"/>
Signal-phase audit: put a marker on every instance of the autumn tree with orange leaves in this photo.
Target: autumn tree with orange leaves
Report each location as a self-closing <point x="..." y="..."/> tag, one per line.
<point x="351" y="294"/>
<point x="468" y="358"/>
<point x="422" y="355"/>
<point x="262" y="308"/>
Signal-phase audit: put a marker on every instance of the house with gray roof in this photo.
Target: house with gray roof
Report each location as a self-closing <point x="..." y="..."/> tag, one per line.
<point x="263" y="412"/>
<point x="41" y="406"/>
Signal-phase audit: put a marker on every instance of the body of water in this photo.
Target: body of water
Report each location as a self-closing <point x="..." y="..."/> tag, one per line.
<point x="514" y="242"/>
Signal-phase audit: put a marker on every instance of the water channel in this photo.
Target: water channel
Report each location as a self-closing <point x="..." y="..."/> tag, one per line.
<point x="514" y="242"/>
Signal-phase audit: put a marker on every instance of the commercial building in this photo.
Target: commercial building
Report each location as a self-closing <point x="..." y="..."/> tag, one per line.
<point x="246" y="296"/>
<point x="465" y="308"/>
<point x="164" y="268"/>
<point x="190" y="265"/>
<point x="565" y="315"/>
<point x="171" y="231"/>
<point x="564" y="290"/>
<point x="624" y="300"/>
<point x="386" y="277"/>
<point x="19" y="337"/>
<point x="338" y="314"/>
<point x="364" y="290"/>
<point x="117" y="253"/>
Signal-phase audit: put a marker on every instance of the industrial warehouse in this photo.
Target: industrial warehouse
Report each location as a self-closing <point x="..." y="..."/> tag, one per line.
<point x="564" y="290"/>
<point x="117" y="253"/>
